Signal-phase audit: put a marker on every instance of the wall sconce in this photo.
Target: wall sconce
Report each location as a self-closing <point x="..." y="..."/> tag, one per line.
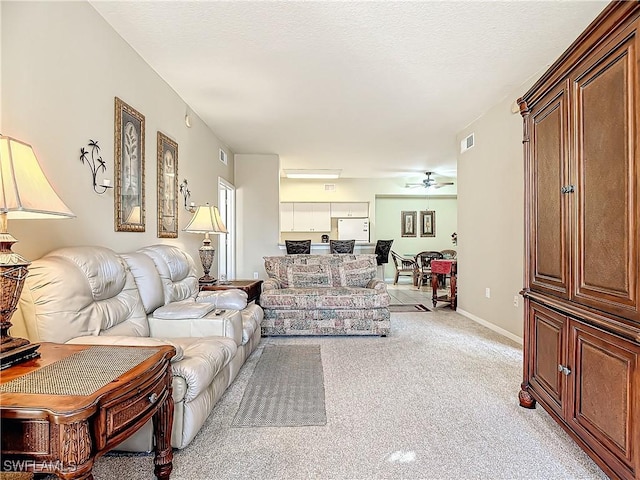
<point x="186" y="193"/>
<point x="95" y="163"/>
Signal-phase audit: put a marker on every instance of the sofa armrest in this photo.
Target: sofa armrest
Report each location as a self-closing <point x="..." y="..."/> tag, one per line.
<point x="232" y="299"/>
<point x="271" y="284"/>
<point x="377" y="284"/>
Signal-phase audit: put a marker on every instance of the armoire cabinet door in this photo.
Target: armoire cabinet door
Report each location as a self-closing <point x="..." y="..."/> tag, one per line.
<point x="546" y="354"/>
<point x="605" y="388"/>
<point x="606" y="93"/>
<point x="548" y="206"/>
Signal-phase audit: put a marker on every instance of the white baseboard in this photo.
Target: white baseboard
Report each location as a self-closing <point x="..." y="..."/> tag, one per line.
<point x="491" y="326"/>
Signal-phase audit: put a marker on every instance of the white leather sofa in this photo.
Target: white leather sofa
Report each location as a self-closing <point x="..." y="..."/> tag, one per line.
<point x="92" y="295"/>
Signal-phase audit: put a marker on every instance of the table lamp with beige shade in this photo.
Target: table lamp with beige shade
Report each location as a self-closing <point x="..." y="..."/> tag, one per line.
<point x="206" y="219"/>
<point x="25" y="193"/>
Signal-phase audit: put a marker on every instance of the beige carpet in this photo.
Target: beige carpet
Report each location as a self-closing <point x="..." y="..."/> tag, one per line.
<point x="437" y="399"/>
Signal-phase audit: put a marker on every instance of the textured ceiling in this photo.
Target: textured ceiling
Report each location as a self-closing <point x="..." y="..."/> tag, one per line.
<point x="373" y="88"/>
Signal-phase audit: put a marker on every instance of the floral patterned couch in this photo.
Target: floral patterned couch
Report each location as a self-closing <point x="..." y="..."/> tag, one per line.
<point x="334" y="294"/>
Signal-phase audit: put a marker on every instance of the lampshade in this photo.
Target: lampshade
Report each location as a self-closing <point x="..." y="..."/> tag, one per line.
<point x="206" y="219"/>
<point x="25" y="192"/>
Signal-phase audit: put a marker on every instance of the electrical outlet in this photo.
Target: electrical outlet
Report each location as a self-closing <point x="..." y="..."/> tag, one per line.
<point x="516" y="300"/>
<point x="255" y="275"/>
<point x="487" y="292"/>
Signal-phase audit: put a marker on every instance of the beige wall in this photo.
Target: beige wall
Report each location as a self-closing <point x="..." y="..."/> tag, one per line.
<point x="62" y="66"/>
<point x="491" y="219"/>
<point x="258" y="213"/>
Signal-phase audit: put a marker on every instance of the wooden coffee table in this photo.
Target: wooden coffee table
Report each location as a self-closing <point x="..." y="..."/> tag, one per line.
<point x="252" y="287"/>
<point x="61" y="411"/>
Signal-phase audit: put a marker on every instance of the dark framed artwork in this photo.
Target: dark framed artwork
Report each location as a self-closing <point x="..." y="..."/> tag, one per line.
<point x="428" y="223"/>
<point x="408" y="224"/>
<point x="129" y="168"/>
<point x="167" y="187"/>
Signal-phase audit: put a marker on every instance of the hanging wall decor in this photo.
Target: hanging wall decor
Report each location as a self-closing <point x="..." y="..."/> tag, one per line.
<point x="129" y="168"/>
<point x="167" y="187"/>
<point x="408" y="224"/>
<point x="428" y="223"/>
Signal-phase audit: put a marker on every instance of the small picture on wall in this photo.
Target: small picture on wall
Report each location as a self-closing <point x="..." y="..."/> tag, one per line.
<point x="167" y="187"/>
<point x="428" y="223"/>
<point x="129" y="168"/>
<point x="408" y="224"/>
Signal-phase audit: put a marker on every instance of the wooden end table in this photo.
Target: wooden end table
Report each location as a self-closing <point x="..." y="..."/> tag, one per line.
<point x="60" y="412"/>
<point x="252" y="287"/>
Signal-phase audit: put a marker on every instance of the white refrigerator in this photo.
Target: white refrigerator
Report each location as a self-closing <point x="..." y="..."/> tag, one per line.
<point x="353" y="229"/>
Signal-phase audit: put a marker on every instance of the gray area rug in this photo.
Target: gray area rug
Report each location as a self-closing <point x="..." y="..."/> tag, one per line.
<point x="285" y="390"/>
<point x="404" y="308"/>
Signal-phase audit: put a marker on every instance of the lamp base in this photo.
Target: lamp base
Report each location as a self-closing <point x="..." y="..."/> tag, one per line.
<point x="207" y="279"/>
<point x="19" y="353"/>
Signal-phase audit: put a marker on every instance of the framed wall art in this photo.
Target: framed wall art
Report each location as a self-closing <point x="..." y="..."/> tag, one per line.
<point x="428" y="223"/>
<point x="167" y="187"/>
<point x="408" y="224"/>
<point x="129" y="168"/>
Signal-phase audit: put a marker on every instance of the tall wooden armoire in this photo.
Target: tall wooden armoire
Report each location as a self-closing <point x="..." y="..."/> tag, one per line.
<point x="582" y="229"/>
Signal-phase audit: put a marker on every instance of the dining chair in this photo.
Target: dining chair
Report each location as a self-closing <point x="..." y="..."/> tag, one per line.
<point x="341" y="246"/>
<point x="423" y="260"/>
<point x="295" y="247"/>
<point x="404" y="266"/>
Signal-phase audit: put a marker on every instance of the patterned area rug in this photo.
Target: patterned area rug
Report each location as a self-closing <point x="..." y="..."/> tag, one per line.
<point x="285" y="390"/>
<point x="414" y="308"/>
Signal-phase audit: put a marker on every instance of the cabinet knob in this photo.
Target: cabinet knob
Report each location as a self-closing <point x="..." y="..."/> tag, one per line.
<point x="153" y="397"/>
<point x="564" y="370"/>
<point x="568" y="189"/>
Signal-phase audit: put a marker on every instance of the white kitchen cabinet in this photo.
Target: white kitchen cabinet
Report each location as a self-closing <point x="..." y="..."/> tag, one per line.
<point x="311" y="217"/>
<point x="286" y="217"/>
<point x="350" y="209"/>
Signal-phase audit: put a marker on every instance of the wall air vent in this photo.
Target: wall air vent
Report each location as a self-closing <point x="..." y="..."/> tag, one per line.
<point x="329" y="187"/>
<point x="467" y="143"/>
<point x="223" y="156"/>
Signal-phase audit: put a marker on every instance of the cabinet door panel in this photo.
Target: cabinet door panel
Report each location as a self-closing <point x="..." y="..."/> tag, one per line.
<point x="606" y="260"/>
<point x="548" y="207"/>
<point x="545" y="354"/>
<point x="286" y="217"/>
<point x="605" y="371"/>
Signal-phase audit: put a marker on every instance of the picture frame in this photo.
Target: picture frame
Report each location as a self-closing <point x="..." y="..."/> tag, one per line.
<point x="428" y="223"/>
<point x="129" y="168"/>
<point x="408" y="224"/>
<point x="167" y="162"/>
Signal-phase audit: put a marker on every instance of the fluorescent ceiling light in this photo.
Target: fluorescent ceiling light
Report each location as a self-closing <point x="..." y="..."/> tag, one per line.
<point x="312" y="173"/>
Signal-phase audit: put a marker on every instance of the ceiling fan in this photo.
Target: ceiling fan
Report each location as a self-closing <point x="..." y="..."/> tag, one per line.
<point x="428" y="182"/>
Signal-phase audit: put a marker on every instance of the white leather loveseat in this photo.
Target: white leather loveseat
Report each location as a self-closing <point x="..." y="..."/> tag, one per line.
<point x="92" y="295"/>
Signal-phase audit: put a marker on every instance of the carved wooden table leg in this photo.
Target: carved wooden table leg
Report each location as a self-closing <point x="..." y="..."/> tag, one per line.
<point x="162" y="423"/>
<point x="453" y="286"/>
<point x="76" y="451"/>
<point x="526" y="400"/>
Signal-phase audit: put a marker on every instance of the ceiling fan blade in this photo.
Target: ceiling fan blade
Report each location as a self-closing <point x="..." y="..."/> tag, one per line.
<point x="413" y="185"/>
<point x="440" y="185"/>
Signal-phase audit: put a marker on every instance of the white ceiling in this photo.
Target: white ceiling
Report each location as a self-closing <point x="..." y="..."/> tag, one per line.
<point x="377" y="89"/>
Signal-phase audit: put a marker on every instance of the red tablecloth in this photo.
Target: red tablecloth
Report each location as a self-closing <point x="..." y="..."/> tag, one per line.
<point x="442" y="266"/>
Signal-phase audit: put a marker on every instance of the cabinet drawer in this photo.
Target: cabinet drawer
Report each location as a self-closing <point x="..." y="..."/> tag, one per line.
<point x="134" y="405"/>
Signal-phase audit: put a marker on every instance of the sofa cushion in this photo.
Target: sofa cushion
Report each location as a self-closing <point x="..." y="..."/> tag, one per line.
<point x="104" y="298"/>
<point x="324" y="298"/>
<point x="148" y="280"/>
<point x="129" y="342"/>
<point x="302" y="276"/>
<point x="176" y="269"/>
<point x="358" y="272"/>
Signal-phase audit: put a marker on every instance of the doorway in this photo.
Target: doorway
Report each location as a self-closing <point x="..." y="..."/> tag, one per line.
<point x="227" y="207"/>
